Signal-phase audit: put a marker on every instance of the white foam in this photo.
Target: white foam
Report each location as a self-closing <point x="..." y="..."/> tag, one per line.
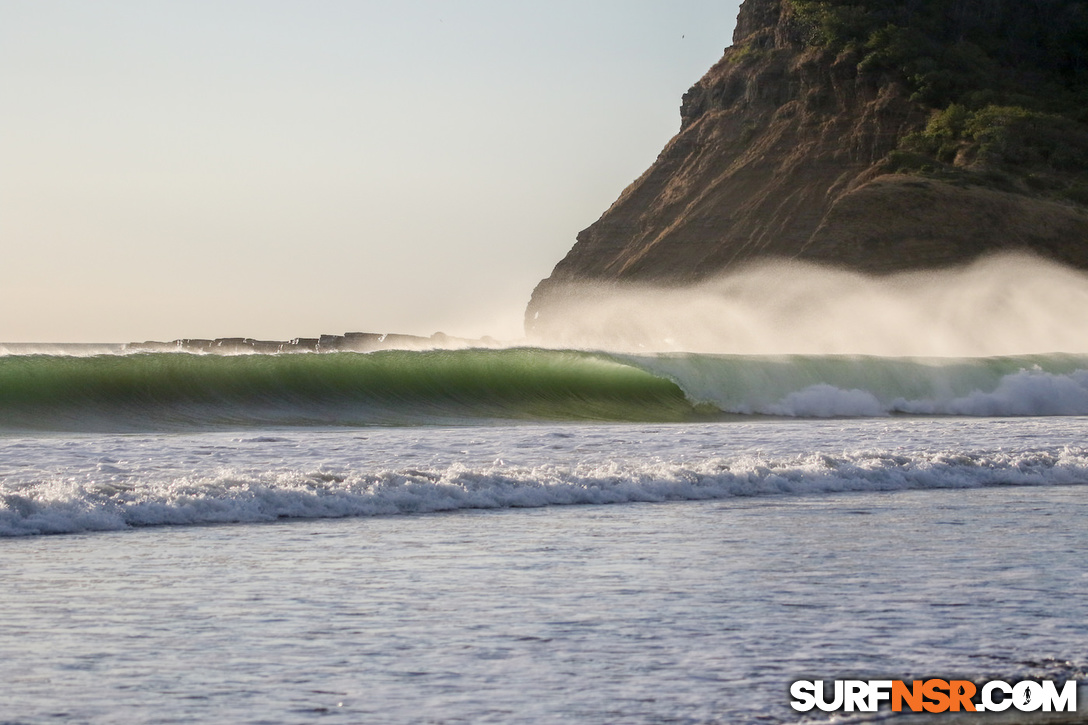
<point x="865" y="386"/>
<point x="1028" y="392"/>
<point x="66" y="504"/>
<point x="827" y="401"/>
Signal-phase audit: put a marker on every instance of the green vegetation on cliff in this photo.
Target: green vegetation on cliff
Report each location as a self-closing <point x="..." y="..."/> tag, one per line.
<point x="1030" y="53"/>
<point x="870" y="135"/>
<point x="1006" y="82"/>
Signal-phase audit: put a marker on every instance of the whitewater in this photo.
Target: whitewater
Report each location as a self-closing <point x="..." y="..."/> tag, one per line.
<point x="529" y="534"/>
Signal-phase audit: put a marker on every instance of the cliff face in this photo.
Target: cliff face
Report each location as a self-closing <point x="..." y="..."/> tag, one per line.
<point x="783" y="151"/>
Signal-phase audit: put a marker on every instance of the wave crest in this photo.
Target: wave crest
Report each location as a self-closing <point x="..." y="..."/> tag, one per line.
<point x="164" y="391"/>
<point x="64" y="505"/>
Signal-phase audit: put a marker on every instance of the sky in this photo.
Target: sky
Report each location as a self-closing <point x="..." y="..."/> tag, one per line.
<point x="282" y="168"/>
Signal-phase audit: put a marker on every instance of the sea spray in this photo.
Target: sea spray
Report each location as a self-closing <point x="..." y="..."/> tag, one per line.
<point x="1006" y="305"/>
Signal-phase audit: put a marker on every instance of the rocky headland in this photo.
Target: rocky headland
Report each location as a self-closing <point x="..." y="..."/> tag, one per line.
<point x="875" y="136"/>
<point x="348" y="342"/>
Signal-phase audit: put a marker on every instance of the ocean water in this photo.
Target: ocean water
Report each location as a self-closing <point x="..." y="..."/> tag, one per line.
<point x="530" y="535"/>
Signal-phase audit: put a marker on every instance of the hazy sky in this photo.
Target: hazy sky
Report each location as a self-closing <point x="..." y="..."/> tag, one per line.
<point x="276" y="169"/>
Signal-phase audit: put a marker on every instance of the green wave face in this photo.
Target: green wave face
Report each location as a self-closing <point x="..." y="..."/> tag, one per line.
<point x="151" y="391"/>
<point x="395" y="387"/>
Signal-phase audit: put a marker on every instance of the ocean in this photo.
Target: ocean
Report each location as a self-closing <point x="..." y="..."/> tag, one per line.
<point x="531" y="535"/>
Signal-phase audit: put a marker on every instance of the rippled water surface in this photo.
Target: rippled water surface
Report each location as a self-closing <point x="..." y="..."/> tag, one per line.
<point x="70" y="483"/>
<point x="685" y="612"/>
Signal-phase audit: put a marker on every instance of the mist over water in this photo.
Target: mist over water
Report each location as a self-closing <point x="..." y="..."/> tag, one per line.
<point x="1007" y="305"/>
<point x="1004" y="337"/>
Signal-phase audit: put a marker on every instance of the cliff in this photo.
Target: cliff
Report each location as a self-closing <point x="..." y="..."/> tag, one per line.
<point x="795" y="146"/>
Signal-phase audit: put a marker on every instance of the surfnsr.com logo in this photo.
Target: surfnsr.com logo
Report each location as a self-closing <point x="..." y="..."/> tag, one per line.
<point x="934" y="696"/>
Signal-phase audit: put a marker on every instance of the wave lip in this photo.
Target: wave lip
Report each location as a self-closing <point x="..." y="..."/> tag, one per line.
<point x="166" y="391"/>
<point x="63" y="505"/>
<point x="394" y="387"/>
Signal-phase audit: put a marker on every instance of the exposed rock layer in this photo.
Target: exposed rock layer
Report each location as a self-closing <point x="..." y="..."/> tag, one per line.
<point x="348" y="342"/>
<point x="782" y="152"/>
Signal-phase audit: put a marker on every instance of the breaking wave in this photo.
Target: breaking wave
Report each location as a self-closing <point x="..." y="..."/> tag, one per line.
<point x="97" y="502"/>
<point x="860" y="386"/>
<point x="155" y="391"/>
